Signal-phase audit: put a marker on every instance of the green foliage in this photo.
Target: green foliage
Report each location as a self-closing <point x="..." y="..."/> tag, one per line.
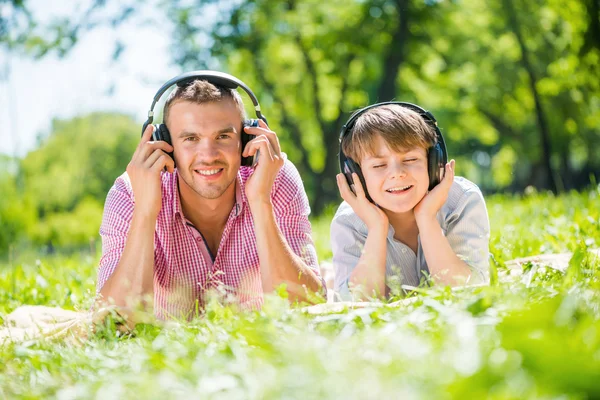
<point x="68" y="176"/>
<point x="513" y="340"/>
<point x="81" y="157"/>
<point x="16" y="214"/>
<point x="530" y="105"/>
<point x="513" y="83"/>
<point x="70" y="229"/>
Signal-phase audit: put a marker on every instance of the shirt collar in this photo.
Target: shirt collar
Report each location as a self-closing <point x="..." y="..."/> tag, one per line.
<point x="240" y="195"/>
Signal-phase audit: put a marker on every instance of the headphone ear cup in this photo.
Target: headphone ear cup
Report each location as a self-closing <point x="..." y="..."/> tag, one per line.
<point x="161" y="132"/>
<point x="435" y="159"/>
<point x="247" y="161"/>
<point x="355" y="167"/>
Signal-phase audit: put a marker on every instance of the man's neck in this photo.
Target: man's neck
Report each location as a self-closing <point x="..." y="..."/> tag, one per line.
<point x="209" y="216"/>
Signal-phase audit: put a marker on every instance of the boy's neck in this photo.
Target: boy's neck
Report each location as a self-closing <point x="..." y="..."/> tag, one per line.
<point x="405" y="227"/>
<point x="401" y="220"/>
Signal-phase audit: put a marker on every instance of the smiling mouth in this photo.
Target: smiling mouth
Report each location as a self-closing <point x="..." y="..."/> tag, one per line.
<point x="209" y="172"/>
<point x="400" y="189"/>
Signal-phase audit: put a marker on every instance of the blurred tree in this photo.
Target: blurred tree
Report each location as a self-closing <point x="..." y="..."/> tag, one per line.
<point x="16" y="212"/>
<point x="21" y="30"/>
<point x="538" y="118"/>
<point x="69" y="175"/>
<point x="312" y="63"/>
<point x="514" y="83"/>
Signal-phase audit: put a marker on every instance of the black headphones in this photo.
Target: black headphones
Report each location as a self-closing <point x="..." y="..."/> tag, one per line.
<point x="218" y="79"/>
<point x="437" y="155"/>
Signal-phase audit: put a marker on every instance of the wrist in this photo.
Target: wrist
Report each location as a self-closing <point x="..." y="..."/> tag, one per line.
<point x="380" y="228"/>
<point x="261" y="204"/>
<point x="145" y="215"/>
<point x="427" y="222"/>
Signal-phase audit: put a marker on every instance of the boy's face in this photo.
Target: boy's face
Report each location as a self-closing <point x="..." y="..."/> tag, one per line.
<point x="396" y="181"/>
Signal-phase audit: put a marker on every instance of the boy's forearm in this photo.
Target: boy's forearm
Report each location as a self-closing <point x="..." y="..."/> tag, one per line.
<point x="368" y="277"/>
<point x="444" y="265"/>
<point x="278" y="263"/>
<point x="132" y="281"/>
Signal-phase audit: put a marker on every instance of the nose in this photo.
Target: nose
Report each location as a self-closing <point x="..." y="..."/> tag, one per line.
<point x="398" y="170"/>
<point x="207" y="151"/>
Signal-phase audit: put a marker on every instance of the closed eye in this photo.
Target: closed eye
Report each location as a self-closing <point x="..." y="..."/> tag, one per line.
<point x="378" y="165"/>
<point x="409" y="160"/>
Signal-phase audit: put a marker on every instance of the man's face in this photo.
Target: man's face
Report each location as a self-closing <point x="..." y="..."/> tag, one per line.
<point x="207" y="145"/>
<point x="396" y="181"/>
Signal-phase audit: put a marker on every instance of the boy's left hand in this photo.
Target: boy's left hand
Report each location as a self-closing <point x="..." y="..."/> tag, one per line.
<point x="431" y="203"/>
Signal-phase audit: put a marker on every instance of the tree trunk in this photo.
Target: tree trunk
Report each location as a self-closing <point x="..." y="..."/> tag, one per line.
<point x="388" y="88"/>
<point x="540" y="116"/>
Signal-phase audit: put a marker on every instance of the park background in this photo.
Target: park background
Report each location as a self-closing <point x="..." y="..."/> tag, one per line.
<point x="515" y="87"/>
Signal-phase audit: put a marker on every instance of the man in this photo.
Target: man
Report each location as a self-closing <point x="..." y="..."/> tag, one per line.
<point x="207" y="223"/>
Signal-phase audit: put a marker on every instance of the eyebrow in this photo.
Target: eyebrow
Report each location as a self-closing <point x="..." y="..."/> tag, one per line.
<point x="227" y="129"/>
<point x="373" y="157"/>
<point x="380" y="156"/>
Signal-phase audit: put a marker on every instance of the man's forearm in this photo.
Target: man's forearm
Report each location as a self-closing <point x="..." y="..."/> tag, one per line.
<point x="444" y="265"/>
<point x="278" y="263"/>
<point x="132" y="279"/>
<point x="368" y="277"/>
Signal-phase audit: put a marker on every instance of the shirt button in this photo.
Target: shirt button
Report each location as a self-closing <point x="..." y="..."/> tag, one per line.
<point x="404" y="250"/>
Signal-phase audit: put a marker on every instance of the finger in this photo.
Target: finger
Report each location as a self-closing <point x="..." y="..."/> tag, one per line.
<point x="449" y="173"/>
<point x="263" y="129"/>
<point x="446" y="182"/>
<point x="149" y="147"/>
<point x="156" y="154"/>
<point x="164" y="160"/>
<point x="262" y="124"/>
<point x="147" y="135"/>
<point x="260" y="143"/>
<point x="145" y="138"/>
<point x="344" y="188"/>
<point x="360" y="191"/>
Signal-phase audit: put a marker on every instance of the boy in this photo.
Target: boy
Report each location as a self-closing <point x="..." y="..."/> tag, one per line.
<point x="404" y="226"/>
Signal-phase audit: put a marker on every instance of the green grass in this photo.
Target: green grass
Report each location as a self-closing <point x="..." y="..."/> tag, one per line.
<point x="515" y="339"/>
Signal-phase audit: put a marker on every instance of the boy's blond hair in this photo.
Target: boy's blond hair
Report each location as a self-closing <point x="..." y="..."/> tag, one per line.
<point x="401" y="129"/>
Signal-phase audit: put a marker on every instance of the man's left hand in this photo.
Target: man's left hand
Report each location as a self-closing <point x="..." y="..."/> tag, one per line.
<point x="431" y="203"/>
<point x="270" y="161"/>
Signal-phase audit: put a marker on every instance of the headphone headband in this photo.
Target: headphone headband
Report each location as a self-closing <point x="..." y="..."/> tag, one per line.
<point x="214" y="77"/>
<point x="356" y="114"/>
<point x="419" y="110"/>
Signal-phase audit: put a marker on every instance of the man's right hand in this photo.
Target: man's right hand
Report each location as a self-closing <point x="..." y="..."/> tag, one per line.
<point x="149" y="159"/>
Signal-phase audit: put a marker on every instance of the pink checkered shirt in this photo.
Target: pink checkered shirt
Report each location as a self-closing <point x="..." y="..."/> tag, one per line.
<point x="184" y="269"/>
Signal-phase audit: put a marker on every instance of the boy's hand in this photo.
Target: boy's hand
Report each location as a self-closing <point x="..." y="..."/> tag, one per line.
<point x="431" y="203"/>
<point x="369" y="213"/>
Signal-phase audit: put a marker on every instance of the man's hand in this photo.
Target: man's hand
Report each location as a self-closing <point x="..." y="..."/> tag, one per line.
<point x="369" y="213"/>
<point x="148" y="160"/>
<point x="431" y="203"/>
<point x="259" y="185"/>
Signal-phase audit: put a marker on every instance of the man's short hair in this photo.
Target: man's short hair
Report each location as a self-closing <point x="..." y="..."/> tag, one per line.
<point x="402" y="129"/>
<point x="202" y="92"/>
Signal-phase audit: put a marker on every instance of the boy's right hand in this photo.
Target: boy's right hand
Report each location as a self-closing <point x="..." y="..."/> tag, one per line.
<point x="369" y="213"/>
<point x="144" y="169"/>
